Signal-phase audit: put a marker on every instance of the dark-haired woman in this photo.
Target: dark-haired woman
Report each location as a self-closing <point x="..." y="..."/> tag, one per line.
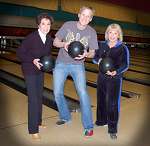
<point x="35" y="45"/>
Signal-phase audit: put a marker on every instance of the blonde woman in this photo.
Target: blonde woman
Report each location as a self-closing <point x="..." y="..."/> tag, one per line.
<point x="109" y="81"/>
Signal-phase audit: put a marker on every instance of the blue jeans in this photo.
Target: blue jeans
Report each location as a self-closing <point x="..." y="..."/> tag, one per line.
<point x="77" y="72"/>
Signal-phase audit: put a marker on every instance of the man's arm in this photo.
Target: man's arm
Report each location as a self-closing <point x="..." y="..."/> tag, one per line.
<point x="60" y="44"/>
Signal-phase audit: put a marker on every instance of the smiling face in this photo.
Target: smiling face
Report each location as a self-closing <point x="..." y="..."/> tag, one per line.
<point x="45" y="25"/>
<point x="113" y="35"/>
<point x="85" y="16"/>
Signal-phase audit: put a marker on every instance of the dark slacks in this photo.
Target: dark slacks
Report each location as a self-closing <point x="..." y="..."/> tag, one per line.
<point x="108" y="101"/>
<point x="34" y="84"/>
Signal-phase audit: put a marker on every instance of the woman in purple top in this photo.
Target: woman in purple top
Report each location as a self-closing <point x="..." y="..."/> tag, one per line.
<point x="109" y="84"/>
<point x="34" y="46"/>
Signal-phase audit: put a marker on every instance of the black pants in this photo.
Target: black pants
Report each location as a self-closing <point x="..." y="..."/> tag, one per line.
<point x="108" y="101"/>
<point x="34" y="84"/>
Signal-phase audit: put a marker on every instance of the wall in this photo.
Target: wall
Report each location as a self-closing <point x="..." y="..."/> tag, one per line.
<point x="134" y="23"/>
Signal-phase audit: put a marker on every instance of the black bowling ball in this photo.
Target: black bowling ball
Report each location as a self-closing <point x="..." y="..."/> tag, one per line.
<point x="106" y="64"/>
<point x="75" y="48"/>
<point x="48" y="63"/>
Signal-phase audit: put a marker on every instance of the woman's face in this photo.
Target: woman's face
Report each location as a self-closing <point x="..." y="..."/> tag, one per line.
<point x="113" y="35"/>
<point x="45" y="25"/>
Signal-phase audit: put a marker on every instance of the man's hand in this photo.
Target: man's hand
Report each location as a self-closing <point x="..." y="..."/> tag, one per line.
<point x="66" y="44"/>
<point x="91" y="53"/>
<point x="79" y="57"/>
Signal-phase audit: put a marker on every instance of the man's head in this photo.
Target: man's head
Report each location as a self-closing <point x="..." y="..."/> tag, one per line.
<point x="85" y="15"/>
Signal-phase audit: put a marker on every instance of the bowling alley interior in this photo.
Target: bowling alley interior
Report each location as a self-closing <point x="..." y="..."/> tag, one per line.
<point x="17" y="20"/>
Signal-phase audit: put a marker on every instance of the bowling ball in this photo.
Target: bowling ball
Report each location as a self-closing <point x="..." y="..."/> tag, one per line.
<point x="75" y="48"/>
<point x="106" y="64"/>
<point x="48" y="63"/>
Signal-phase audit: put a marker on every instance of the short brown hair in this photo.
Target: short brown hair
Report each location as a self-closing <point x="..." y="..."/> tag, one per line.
<point x="44" y="15"/>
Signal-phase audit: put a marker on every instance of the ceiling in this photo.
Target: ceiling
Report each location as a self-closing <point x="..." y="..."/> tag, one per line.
<point x="143" y="5"/>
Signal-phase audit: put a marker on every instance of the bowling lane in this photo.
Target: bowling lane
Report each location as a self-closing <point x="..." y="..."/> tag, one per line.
<point x="15" y="104"/>
<point x="91" y="77"/>
<point x="134" y="67"/>
<point x="132" y="110"/>
<point x="140" y="68"/>
<point x="69" y="89"/>
<point x="129" y="74"/>
<point x="69" y="86"/>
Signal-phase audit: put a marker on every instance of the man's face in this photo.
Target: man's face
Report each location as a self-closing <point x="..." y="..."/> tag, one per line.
<point x="85" y="17"/>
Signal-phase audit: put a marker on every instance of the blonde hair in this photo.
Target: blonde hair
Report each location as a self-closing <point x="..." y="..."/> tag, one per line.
<point x="118" y="28"/>
<point x="89" y="8"/>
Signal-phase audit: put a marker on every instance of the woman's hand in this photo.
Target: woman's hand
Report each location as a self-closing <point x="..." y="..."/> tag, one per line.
<point x="111" y="73"/>
<point x="37" y="63"/>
